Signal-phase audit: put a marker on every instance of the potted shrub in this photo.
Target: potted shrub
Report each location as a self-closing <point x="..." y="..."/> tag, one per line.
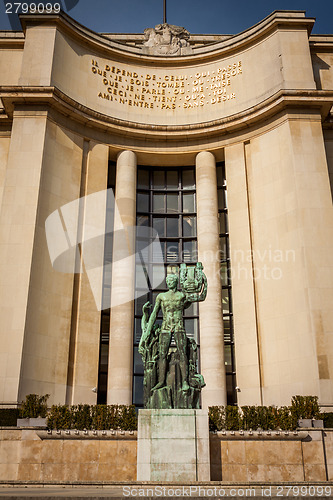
<point x="305" y="409"/>
<point x="33" y="411"/>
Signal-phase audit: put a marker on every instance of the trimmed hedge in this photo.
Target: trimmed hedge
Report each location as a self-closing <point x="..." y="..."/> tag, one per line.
<point x="9" y="416"/>
<point x="98" y="417"/>
<point x="264" y="417"/>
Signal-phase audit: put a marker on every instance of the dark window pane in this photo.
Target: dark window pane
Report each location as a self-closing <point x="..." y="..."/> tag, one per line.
<point x="223" y="248"/>
<point x="138" y="332"/>
<point x="188" y="179"/>
<point x="224" y="273"/>
<point x="231" y="393"/>
<point x="220" y="199"/>
<point x="158" y="179"/>
<point x="219" y="175"/>
<point x="192" y="310"/>
<point x="226" y="327"/>
<point x="228" y="357"/>
<point x="189" y="226"/>
<point x="139" y="302"/>
<point x="190" y="251"/>
<point x="158" y="203"/>
<point x="143" y="179"/>
<point x="172" y="179"/>
<point x="225" y="300"/>
<point x="142" y="202"/>
<point x="188" y="203"/>
<point x="138" y="365"/>
<point x="158" y="225"/>
<point x="191" y="328"/>
<point x="140" y="277"/>
<point x="172" y="251"/>
<point x="222" y="223"/>
<point x="138" y="390"/>
<point x="172" y="203"/>
<point x="158" y="276"/>
<point x="172" y="227"/>
<point x="158" y="251"/>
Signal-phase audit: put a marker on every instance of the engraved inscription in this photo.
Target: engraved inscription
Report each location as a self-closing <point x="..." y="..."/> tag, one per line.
<point x="166" y="91"/>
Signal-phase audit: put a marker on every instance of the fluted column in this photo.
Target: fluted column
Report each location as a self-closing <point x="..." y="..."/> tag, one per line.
<point x="211" y="321"/>
<point x="123" y="281"/>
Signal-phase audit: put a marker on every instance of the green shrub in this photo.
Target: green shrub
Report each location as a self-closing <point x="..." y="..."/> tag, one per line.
<point x="216" y="416"/>
<point x="9" y="416"/>
<point x="34" y="406"/>
<point x="305" y="407"/>
<point x="328" y="420"/>
<point x="99" y="417"/>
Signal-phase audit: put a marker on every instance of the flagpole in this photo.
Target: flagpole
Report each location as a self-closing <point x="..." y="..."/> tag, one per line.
<point x="164" y="12"/>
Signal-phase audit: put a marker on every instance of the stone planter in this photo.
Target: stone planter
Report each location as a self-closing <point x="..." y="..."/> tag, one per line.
<point x="305" y="423"/>
<point x="318" y="423"/>
<point x="31" y="422"/>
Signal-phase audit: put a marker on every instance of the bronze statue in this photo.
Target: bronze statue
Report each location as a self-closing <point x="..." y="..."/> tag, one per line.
<point x="155" y="343"/>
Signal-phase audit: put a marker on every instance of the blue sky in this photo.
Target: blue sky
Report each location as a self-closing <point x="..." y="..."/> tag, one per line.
<point x="198" y="16"/>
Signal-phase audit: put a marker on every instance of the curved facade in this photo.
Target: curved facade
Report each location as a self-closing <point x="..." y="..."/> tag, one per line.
<point x="246" y="115"/>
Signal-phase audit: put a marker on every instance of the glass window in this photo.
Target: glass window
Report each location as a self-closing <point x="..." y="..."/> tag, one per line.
<point x="172" y="227"/>
<point x="172" y="179"/>
<point x="172" y="203"/>
<point x="226" y="327"/>
<point x="143" y="179"/>
<point x="138" y="390"/>
<point x="225" y="300"/>
<point x="188" y="203"/>
<point x="224" y="273"/>
<point x="158" y="202"/>
<point x="139" y="302"/>
<point x="188" y="179"/>
<point x="222" y="223"/>
<point x="158" y="179"/>
<point x="142" y="202"/>
<point x="190" y="251"/>
<point x="223" y="248"/>
<point x="220" y="199"/>
<point x="158" y="225"/>
<point x="158" y="275"/>
<point x="138" y="365"/>
<point x="189" y="226"/>
<point x="219" y="175"/>
<point x="191" y="327"/>
<point x="172" y="251"/>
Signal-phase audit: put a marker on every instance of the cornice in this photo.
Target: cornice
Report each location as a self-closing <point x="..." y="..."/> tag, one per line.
<point x="28" y="97"/>
<point x="291" y="20"/>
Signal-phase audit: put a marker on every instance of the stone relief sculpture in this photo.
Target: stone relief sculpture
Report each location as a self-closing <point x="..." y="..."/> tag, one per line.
<point x="166" y="39"/>
<point x="171" y="379"/>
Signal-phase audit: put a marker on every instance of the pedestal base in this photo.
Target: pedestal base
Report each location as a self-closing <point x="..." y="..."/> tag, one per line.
<point x="173" y="445"/>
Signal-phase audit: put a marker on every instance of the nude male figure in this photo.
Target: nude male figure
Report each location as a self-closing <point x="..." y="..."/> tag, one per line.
<point x="172" y="303"/>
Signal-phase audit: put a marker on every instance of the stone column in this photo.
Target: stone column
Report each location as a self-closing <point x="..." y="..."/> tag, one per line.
<point x="123" y="282"/>
<point x="211" y="315"/>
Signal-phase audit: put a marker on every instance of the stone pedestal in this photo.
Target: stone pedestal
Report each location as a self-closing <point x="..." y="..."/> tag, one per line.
<point x="173" y="445"/>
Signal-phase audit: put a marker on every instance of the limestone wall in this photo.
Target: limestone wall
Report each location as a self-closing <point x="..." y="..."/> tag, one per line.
<point x="24" y="456"/>
<point x="272" y="460"/>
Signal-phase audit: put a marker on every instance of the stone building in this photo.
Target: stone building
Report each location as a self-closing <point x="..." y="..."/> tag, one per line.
<point x="223" y="145"/>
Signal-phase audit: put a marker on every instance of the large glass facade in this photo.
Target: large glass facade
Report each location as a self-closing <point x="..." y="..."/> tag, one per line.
<point x="165" y="202"/>
<point x="226" y="284"/>
<point x="106" y="297"/>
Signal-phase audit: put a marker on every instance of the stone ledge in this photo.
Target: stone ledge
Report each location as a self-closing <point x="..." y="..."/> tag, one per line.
<point x="85" y="434"/>
<point x="261" y="435"/>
